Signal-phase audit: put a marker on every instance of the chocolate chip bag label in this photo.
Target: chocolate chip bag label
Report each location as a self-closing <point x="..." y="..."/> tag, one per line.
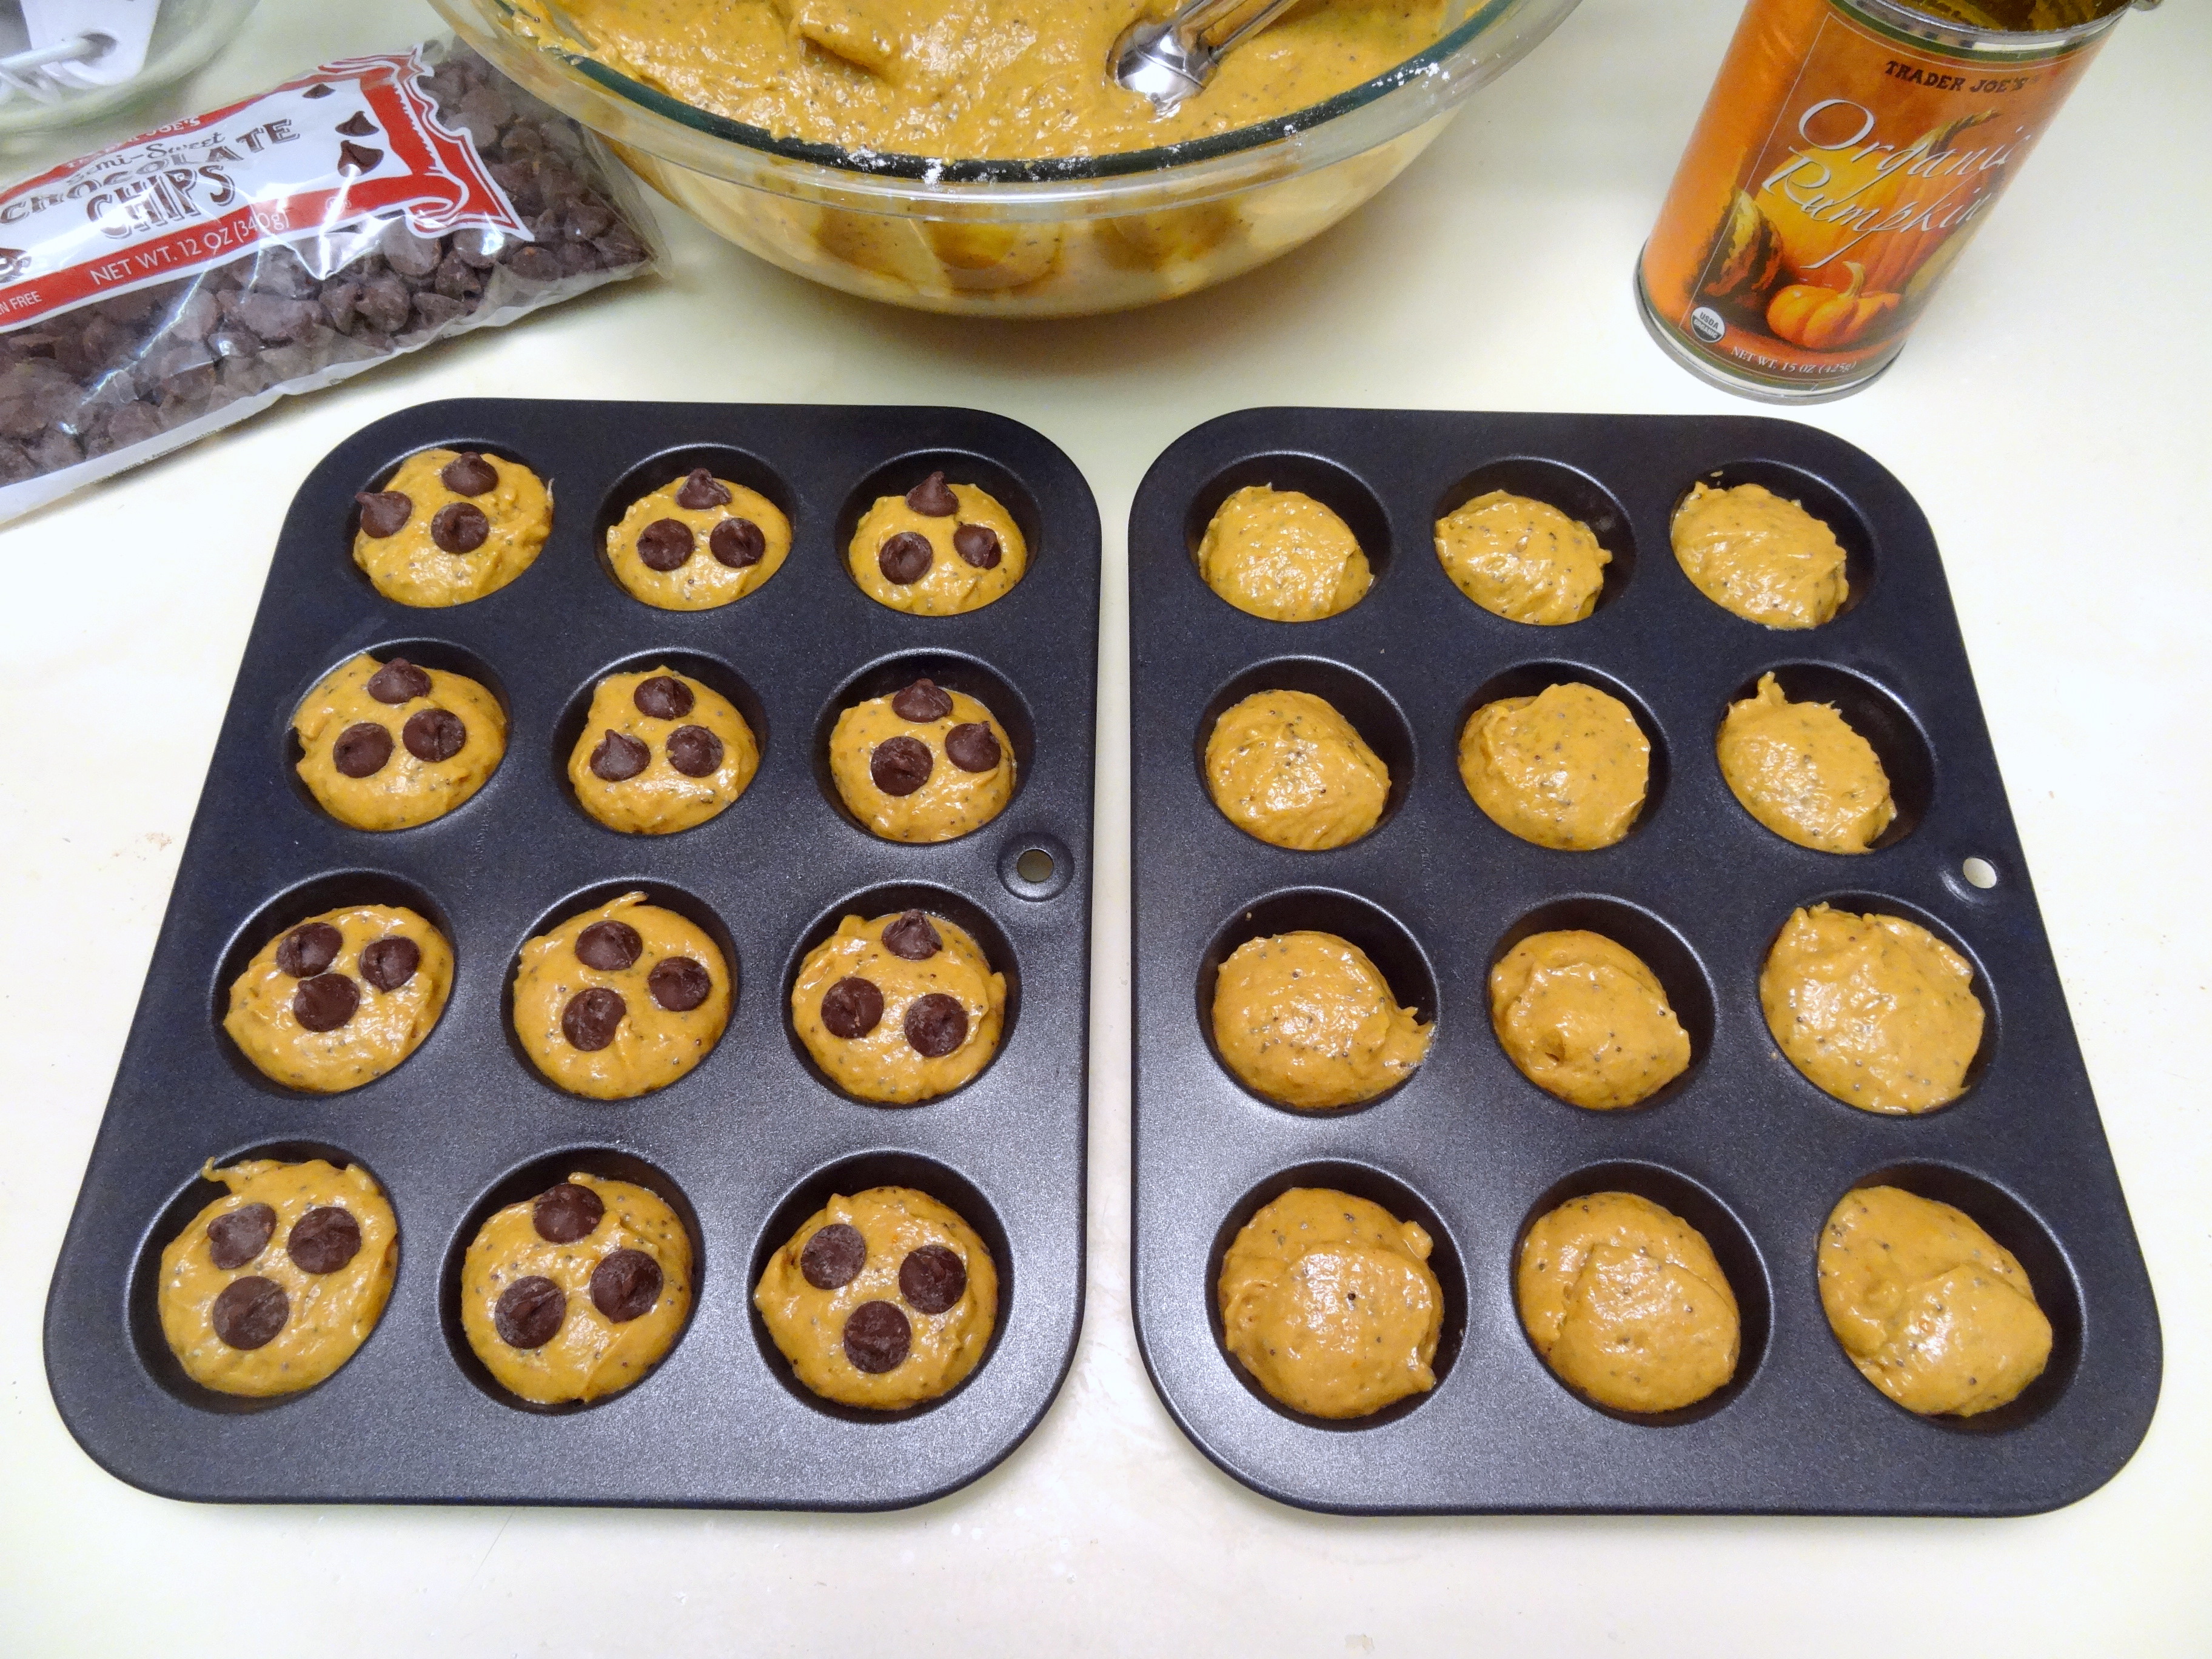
<point x="182" y="282"/>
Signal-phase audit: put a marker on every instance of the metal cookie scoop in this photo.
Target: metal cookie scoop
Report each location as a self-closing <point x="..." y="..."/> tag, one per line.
<point x="1167" y="59"/>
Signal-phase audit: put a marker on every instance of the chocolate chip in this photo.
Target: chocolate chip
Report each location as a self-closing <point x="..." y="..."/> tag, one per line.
<point x="469" y="474"/>
<point x="435" y="734"/>
<point x="459" y="527"/>
<point x="319" y="90"/>
<point x="385" y="512"/>
<point x="977" y="544"/>
<point x="236" y="1237"/>
<point x="566" y="1213"/>
<point x="851" y="1008"/>
<point x="905" y="558"/>
<point x="923" y="702"/>
<point x="325" y="1238"/>
<point x="876" y="1338"/>
<point x="701" y="491"/>
<point x="935" y="1025"/>
<point x="618" y="758"/>
<point x="529" y="1312"/>
<point x="358" y="158"/>
<point x="664" y="544"/>
<point x="398" y="681"/>
<point x="972" y="747"/>
<point x="737" y="542"/>
<point x="308" y="949"/>
<point x="389" y="964"/>
<point x="932" y="1278"/>
<point x="626" y="1286"/>
<point x="250" y="1312"/>
<point x="358" y="125"/>
<point x="324" y="1002"/>
<point x="679" y="984"/>
<point x="695" y="751"/>
<point x="663" y="697"/>
<point x="911" y="937"/>
<point x="933" y="498"/>
<point x="592" y="1017"/>
<point x="609" y="946"/>
<point x="900" y="765"/>
<point x="834" y="1256"/>
<point x="361" y="749"/>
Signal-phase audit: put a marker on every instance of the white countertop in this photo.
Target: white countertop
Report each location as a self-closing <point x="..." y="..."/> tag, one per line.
<point x="2050" y="420"/>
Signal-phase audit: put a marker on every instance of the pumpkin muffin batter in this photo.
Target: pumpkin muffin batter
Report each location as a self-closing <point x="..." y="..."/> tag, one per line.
<point x="274" y="1286"/>
<point x="1287" y="768"/>
<point x="900" y="1009"/>
<point x="387" y="745"/>
<point x="1306" y="1020"/>
<point x="660" y="752"/>
<point x="620" y="1001"/>
<point x="882" y="1300"/>
<point x="1584" y="1019"/>
<point x="1800" y="769"/>
<point x="577" y="1292"/>
<point x="1933" y="1311"/>
<point x="939" y="550"/>
<point x="1277" y="554"/>
<point x="697" y="542"/>
<point x="452" y="525"/>
<point x="1627" y="1304"/>
<point x="925" y="764"/>
<point x="1767" y="559"/>
<point x="1565" y="769"/>
<point x="343" y="998"/>
<point x="1329" y="1302"/>
<point x="1522" y="560"/>
<point x="1873" y="1009"/>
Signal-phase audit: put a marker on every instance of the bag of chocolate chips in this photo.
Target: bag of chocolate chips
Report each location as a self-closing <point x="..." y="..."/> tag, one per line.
<point x="160" y="290"/>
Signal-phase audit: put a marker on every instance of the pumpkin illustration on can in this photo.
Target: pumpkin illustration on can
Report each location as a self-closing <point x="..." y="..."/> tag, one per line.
<point x="1824" y="319"/>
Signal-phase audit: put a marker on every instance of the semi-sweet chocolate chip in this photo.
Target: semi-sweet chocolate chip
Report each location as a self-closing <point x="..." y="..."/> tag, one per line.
<point x="385" y="512"/>
<point x="851" y="1008"/>
<point x="702" y="489"/>
<point x="236" y="1237"/>
<point x="619" y="758"/>
<point x="664" y="543"/>
<point x="361" y="749"/>
<point x="626" y="1286"/>
<point x="935" y="1025"/>
<point x="663" y="697"/>
<point x="389" y="964"/>
<point x="972" y="747"/>
<point x="358" y="158"/>
<point x="325" y="1238"/>
<point x="834" y="1256"/>
<point x="250" y="1312"/>
<point x="933" y="498"/>
<point x="679" y="984"/>
<point x="977" y="544"/>
<point x="529" y="1312"/>
<point x="308" y="949"/>
<point x="923" y="702"/>
<point x="905" y="558"/>
<point x="592" y="1017"/>
<point x="609" y="945"/>
<point x="900" y="765"/>
<point x="911" y="937"/>
<point x="878" y="1336"/>
<point x="324" y="1002"/>
<point x="695" y="751"/>
<point x="398" y="681"/>
<point x="565" y="1213"/>
<point x="459" y="527"/>
<point x="469" y="474"/>
<point x="737" y="542"/>
<point x="433" y="735"/>
<point x="356" y="125"/>
<point x="932" y="1278"/>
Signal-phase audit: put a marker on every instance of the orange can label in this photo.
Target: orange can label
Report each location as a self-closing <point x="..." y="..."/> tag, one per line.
<point x="1841" y="162"/>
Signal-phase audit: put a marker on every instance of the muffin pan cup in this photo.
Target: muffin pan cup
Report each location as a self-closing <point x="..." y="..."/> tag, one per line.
<point x="749" y="1141"/>
<point x="1743" y="1145"/>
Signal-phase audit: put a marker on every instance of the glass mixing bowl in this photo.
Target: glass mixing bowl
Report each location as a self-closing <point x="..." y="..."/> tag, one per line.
<point x="1054" y="238"/>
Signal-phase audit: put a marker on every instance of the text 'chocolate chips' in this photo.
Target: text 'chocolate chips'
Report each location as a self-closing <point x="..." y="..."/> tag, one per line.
<point x="933" y="498"/>
<point x="459" y="527"/>
<point x="911" y="937"/>
<point x="529" y="1312"/>
<point x="389" y="964"/>
<point x="737" y="542"/>
<point x="679" y="984"/>
<point x="433" y="735"/>
<point x="695" y="751"/>
<point x="851" y="1008"/>
<point x="932" y="1278"/>
<point x="977" y="544"/>
<point x="324" y="1002"/>
<point x="469" y="474"/>
<point x="566" y="1213"/>
<point x="250" y="1312"/>
<point x="702" y="489"/>
<point x="385" y="512"/>
<point x="921" y="703"/>
<point x="834" y="1256"/>
<point x="609" y="946"/>
<point x="900" y="765"/>
<point x="664" y="544"/>
<point x="236" y="1237"/>
<point x="398" y="681"/>
<point x="935" y="1025"/>
<point x="325" y="1238"/>
<point x="592" y="1019"/>
<point x="905" y="558"/>
<point x="972" y="747"/>
<point x="626" y="1286"/>
<point x="361" y="749"/>
<point x="878" y="1337"/>
<point x="619" y="758"/>
<point x="663" y="697"/>
<point x="308" y="949"/>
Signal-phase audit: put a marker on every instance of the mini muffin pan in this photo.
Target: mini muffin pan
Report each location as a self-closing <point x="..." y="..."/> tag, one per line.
<point x="1741" y="1144"/>
<point x="748" y="1145"/>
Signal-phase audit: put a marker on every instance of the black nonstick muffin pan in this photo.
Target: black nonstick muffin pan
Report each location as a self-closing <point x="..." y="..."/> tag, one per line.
<point x="752" y="1140"/>
<point x="1741" y="1146"/>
